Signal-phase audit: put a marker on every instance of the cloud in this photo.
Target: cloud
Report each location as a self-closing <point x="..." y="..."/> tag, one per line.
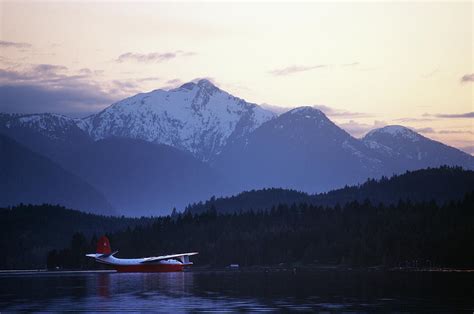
<point x="425" y="130"/>
<point x="171" y="84"/>
<point x="275" y="109"/>
<point x="338" y="113"/>
<point x="353" y="64"/>
<point x="431" y="73"/>
<point x="49" y="88"/>
<point x="413" y="119"/>
<point x="295" y="69"/>
<point x="152" y="57"/>
<point x="174" y="81"/>
<point x="357" y="129"/>
<point x="148" y="79"/>
<point x="79" y="100"/>
<point x="468" y="149"/>
<point x="467" y="78"/>
<point x="455" y="132"/>
<point x="207" y="78"/>
<point x="465" y="115"/>
<point x="329" y="111"/>
<point x="302" y="68"/>
<point x="124" y="86"/>
<point x="11" y="44"/>
<point x="49" y="68"/>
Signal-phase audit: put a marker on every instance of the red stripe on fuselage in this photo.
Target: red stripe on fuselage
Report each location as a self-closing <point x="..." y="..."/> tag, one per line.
<point x="148" y="268"/>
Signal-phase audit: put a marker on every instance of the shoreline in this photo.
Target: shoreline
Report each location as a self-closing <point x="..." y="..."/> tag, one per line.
<point x="266" y="269"/>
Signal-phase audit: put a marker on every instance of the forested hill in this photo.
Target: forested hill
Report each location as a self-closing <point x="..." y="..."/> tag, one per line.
<point x="249" y="200"/>
<point x="358" y="234"/>
<point x="28" y="232"/>
<point x="439" y="184"/>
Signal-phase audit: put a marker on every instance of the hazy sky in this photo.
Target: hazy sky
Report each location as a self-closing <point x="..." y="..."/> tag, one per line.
<point x="365" y="64"/>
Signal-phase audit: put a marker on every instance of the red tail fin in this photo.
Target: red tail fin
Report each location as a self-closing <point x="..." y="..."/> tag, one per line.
<point x="103" y="246"/>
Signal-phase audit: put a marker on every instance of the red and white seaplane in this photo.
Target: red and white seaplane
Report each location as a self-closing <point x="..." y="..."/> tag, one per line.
<point x="165" y="263"/>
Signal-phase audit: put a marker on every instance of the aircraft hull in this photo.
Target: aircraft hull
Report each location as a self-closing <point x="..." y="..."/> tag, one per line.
<point x="150" y="268"/>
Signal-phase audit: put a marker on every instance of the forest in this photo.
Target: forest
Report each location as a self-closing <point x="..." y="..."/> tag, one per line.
<point x="440" y="184"/>
<point x="423" y="218"/>
<point x="29" y="232"/>
<point x="406" y="234"/>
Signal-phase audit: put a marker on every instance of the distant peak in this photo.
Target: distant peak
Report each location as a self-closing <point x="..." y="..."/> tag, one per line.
<point x="201" y="83"/>
<point x="189" y="85"/>
<point x="207" y="85"/>
<point x="306" y="110"/>
<point x="394" y="130"/>
<point x="205" y="82"/>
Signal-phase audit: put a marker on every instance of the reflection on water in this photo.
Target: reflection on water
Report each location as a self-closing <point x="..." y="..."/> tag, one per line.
<point x="333" y="291"/>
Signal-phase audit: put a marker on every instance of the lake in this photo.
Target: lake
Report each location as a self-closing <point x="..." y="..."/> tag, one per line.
<point x="238" y="290"/>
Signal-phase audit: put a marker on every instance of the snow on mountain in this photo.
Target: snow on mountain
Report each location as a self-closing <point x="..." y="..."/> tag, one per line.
<point x="404" y="149"/>
<point x="196" y="117"/>
<point x="53" y="126"/>
<point x="396" y="130"/>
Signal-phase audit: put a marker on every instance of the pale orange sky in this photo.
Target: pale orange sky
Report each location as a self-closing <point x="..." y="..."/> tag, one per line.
<point x="391" y="63"/>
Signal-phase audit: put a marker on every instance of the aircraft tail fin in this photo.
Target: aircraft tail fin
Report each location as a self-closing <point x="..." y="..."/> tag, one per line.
<point x="103" y="246"/>
<point x="103" y="249"/>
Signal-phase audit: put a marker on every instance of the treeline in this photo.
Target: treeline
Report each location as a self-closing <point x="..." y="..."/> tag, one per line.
<point x="439" y="184"/>
<point x="357" y="234"/>
<point x="29" y="232"/>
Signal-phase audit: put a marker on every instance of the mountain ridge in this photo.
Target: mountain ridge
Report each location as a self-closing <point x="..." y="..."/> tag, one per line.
<point x="440" y="185"/>
<point x="30" y="178"/>
<point x="197" y="117"/>
<point x="225" y="138"/>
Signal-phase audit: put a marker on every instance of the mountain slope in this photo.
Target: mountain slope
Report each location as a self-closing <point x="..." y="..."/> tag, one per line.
<point x="438" y="184"/>
<point x="50" y="135"/>
<point x="53" y="126"/>
<point x="141" y="178"/>
<point x="196" y="117"/>
<point x="301" y="149"/>
<point x="27" y="177"/>
<point x="403" y="149"/>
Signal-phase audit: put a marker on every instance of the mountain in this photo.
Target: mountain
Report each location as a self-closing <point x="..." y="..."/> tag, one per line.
<point x="50" y="135"/>
<point x="154" y="151"/>
<point x="27" y="177"/>
<point x="403" y="149"/>
<point x="197" y="117"/>
<point x="137" y="177"/>
<point x="301" y="149"/>
<point x="441" y="185"/>
<point x="53" y="126"/>
<point x="142" y="178"/>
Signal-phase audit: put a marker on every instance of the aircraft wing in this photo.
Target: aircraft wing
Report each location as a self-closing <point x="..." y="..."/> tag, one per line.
<point x="182" y="257"/>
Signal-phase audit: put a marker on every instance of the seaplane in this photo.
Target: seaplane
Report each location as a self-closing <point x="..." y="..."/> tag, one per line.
<point x="165" y="263"/>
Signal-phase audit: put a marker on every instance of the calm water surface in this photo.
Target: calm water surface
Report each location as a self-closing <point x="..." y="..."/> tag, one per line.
<point x="317" y="291"/>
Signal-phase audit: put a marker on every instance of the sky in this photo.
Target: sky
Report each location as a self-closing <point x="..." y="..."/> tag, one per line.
<point x="365" y="64"/>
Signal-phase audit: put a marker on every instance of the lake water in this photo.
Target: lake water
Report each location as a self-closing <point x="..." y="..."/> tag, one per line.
<point x="218" y="290"/>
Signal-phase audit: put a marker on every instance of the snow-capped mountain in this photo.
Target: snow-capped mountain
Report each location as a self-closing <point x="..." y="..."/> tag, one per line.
<point x="50" y="125"/>
<point x="301" y="149"/>
<point x="215" y="136"/>
<point x="196" y="117"/>
<point x="404" y="149"/>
